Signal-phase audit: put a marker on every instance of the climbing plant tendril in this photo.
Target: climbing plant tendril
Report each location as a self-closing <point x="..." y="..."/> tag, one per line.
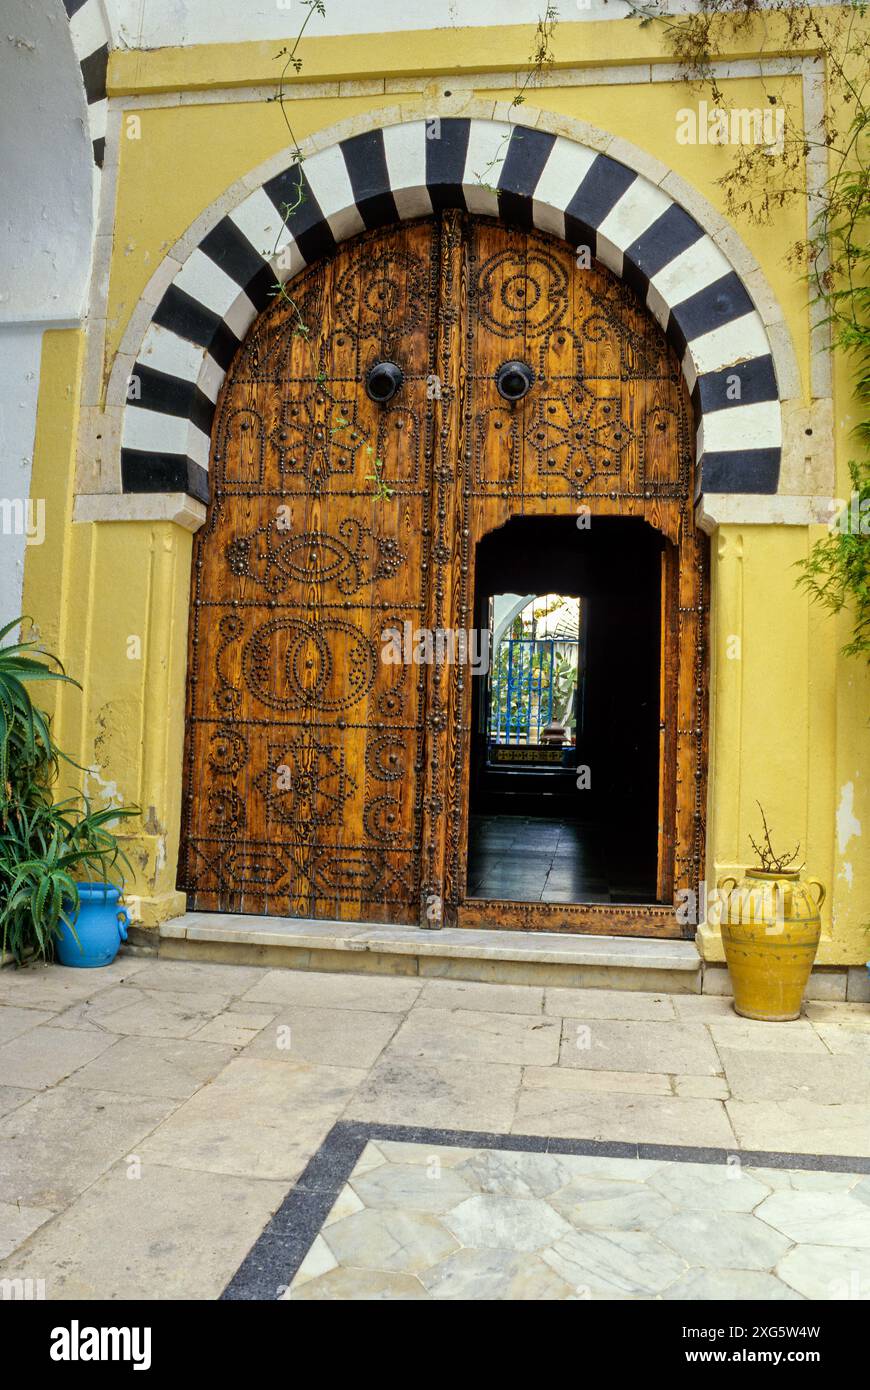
<point x="835" y="255"/>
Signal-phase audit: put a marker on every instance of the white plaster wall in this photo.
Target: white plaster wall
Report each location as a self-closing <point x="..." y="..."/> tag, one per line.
<point x="157" y="23"/>
<point x="46" y="208"/>
<point x="46" y="232"/>
<point x="20" y="348"/>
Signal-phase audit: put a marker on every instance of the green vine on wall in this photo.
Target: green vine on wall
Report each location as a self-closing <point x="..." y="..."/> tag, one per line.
<point x="542" y="56"/>
<point x="290" y="54"/>
<point x="758" y="184"/>
<point x="835" y="255"/>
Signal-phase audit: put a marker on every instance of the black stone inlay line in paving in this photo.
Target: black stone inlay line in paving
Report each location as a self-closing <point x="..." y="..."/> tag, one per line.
<point x="271" y="1264"/>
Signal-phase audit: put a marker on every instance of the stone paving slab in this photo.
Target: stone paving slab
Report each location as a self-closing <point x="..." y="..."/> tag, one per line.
<point x="259" y="1118"/>
<point x="841" y="1041"/>
<point x="235" y="1028"/>
<point x="44" y="1056"/>
<point x="823" y="1079"/>
<point x="13" y="1096"/>
<point x="60" y="1142"/>
<point x="603" y="1003"/>
<point x="471" y="994"/>
<point x="17" y="1222"/>
<point x="702" y="1007"/>
<point x="167" y="1067"/>
<point x="651" y="1119"/>
<point x="190" y="977"/>
<point x="55" y="987"/>
<point x="701" y="1087"/>
<point x="330" y="1037"/>
<point x="467" y="1095"/>
<point x="573" y="1080"/>
<point x="167" y="1233"/>
<point x="800" y="1126"/>
<point x="843" y="1015"/>
<point x="753" y="1036"/>
<point x="372" y="993"/>
<point x="633" y="1045"/>
<point x="15" y="1021"/>
<point x="145" y="1013"/>
<point x="465" y="1035"/>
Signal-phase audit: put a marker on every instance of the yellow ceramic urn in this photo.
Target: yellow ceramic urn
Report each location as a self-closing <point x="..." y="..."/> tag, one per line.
<point x="770" y="931"/>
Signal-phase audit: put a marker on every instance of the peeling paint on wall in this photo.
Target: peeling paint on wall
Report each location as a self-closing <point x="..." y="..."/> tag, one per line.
<point x="847" y="822"/>
<point x="106" y="791"/>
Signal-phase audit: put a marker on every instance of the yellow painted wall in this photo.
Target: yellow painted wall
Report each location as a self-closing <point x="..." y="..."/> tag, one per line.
<point x="789" y="729"/>
<point x="111" y="600"/>
<point x="789" y="714"/>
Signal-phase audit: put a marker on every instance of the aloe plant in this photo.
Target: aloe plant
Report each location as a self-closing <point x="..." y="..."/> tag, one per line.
<point x="24" y="728"/>
<point x="44" y="843"/>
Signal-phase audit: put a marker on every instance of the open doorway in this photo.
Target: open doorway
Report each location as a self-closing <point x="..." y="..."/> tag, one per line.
<point x="564" y="777"/>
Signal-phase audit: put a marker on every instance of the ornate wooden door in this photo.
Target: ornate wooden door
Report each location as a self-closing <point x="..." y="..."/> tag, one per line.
<point x="304" y="749"/>
<point x="321" y="780"/>
<point x="604" y="431"/>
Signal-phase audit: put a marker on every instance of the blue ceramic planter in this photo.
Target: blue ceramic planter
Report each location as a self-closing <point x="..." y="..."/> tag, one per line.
<point x="101" y="926"/>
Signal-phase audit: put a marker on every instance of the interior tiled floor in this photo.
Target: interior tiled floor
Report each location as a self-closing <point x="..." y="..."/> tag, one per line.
<point x="156" y="1115"/>
<point x="423" y="1221"/>
<point x="534" y="859"/>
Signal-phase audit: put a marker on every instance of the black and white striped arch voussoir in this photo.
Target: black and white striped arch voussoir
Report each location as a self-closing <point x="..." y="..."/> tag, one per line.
<point x="525" y="176"/>
<point x="91" y="44"/>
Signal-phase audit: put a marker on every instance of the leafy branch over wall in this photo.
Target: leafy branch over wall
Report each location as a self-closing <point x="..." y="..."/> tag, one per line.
<point x="835" y="255"/>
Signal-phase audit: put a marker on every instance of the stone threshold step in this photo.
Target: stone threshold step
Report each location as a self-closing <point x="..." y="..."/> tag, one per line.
<point x="512" y="957"/>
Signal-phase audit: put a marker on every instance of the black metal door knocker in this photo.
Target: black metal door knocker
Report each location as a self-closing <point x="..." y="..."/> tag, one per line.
<point x="383" y="381"/>
<point x="514" y="380"/>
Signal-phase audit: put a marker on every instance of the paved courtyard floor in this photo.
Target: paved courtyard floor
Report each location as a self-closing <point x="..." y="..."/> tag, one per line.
<point x="174" y="1130"/>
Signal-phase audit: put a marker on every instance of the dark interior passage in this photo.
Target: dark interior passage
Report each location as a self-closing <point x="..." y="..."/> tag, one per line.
<point x="536" y="859"/>
<point x="564" y="777"/>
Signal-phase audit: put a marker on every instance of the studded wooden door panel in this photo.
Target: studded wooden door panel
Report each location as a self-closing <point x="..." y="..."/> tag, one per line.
<point x="304" y="749"/>
<point x="605" y="427"/>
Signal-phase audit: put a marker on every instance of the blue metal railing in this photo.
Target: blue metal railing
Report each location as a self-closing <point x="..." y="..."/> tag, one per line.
<point x="523" y="689"/>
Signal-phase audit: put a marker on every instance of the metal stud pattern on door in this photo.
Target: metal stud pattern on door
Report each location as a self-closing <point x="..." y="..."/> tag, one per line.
<point x="320" y="780"/>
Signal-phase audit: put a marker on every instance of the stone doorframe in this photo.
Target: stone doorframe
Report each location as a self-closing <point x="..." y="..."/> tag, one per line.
<point x="766" y="458"/>
<point x="562" y="176"/>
